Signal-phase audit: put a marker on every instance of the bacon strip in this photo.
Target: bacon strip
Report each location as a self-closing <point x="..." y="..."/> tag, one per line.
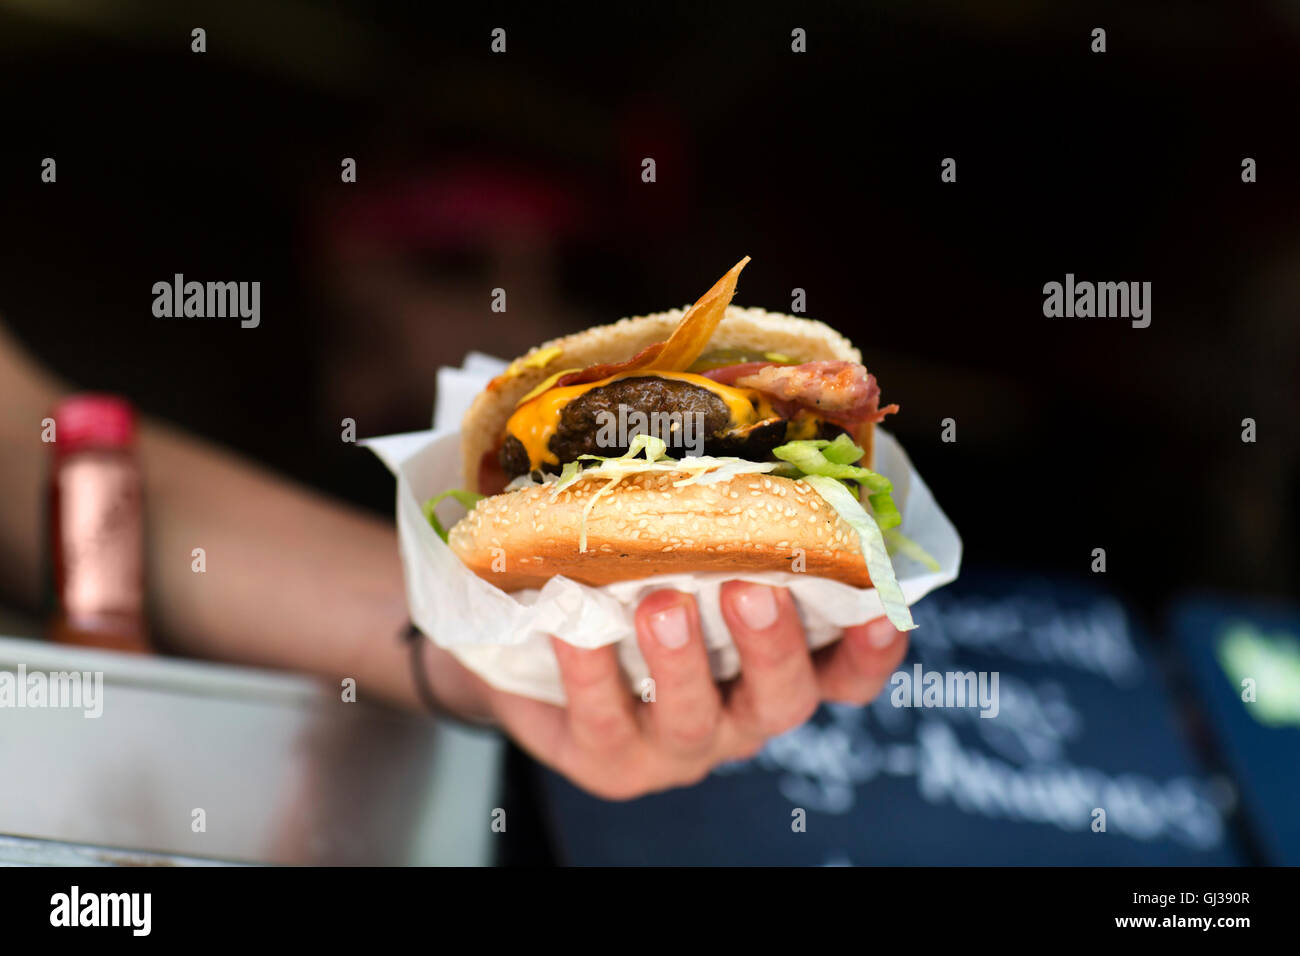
<point x="594" y="373"/>
<point x="841" y="392"/>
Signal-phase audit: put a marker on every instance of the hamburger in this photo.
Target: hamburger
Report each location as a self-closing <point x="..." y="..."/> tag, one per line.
<point x="714" y="438"/>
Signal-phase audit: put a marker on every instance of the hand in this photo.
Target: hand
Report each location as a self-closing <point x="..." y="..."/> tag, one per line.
<point x="611" y="743"/>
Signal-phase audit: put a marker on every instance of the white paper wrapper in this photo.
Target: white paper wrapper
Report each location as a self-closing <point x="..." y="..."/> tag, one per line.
<point x="505" y="638"/>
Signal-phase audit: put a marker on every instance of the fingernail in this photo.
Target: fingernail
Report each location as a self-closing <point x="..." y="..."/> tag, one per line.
<point x="670" y="626"/>
<point x="755" y="605"/>
<point x="880" y="633"/>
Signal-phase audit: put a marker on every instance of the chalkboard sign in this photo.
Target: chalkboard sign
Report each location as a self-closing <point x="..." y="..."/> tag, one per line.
<point x="1245" y="662"/>
<point x="1063" y="752"/>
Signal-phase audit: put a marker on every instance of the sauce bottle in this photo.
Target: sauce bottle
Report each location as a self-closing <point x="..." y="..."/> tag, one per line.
<point x="97" y="526"/>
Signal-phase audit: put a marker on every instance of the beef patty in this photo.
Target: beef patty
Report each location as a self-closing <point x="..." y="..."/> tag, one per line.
<point x="579" y="430"/>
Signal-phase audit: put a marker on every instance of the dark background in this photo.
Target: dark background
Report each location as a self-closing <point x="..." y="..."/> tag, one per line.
<point x="522" y="171"/>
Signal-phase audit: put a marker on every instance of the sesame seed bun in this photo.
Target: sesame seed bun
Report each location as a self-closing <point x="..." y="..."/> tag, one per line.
<point x="644" y="526"/>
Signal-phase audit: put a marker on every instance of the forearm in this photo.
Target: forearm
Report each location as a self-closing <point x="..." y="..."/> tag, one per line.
<point x="289" y="579"/>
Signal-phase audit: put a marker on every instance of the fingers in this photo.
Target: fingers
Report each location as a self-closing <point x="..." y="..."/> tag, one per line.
<point x="548" y="733"/>
<point x="601" y="714"/>
<point x="777" y="689"/>
<point x="687" y="706"/>
<point x="618" y="748"/>
<point x="855" y="669"/>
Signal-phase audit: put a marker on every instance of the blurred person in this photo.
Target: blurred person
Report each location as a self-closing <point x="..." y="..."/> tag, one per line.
<point x="406" y="269"/>
<point x="297" y="581"/>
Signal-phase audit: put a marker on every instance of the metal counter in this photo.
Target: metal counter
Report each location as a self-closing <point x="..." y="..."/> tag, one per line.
<point x="195" y="762"/>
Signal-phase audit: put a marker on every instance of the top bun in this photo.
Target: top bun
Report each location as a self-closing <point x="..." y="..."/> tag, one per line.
<point x="804" y="340"/>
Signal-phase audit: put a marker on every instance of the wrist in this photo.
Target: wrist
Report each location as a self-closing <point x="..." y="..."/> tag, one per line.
<point x="445" y="685"/>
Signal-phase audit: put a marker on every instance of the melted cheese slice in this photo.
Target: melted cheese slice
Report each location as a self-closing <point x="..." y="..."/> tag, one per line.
<point x="536" y="420"/>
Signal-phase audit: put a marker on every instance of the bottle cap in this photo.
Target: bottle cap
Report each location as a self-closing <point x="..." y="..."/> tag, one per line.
<point x="93" y="421"/>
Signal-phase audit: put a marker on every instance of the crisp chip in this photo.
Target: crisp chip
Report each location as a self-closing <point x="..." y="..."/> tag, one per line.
<point x="683" y="346"/>
<point x="698" y="324"/>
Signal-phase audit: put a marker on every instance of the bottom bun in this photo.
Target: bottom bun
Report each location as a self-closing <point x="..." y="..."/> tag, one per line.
<point x="643" y="526"/>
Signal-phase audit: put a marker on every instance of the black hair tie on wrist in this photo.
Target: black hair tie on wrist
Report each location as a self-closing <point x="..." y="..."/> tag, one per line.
<point x="424" y="687"/>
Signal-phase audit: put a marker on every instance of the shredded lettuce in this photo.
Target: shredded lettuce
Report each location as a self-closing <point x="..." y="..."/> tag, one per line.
<point x="568" y="475"/>
<point x="655" y="449"/>
<point x="467" y="498"/>
<point x="834" y="459"/>
<point x="873" y="547"/>
<point x="900" y="543"/>
<point x="885" y="511"/>
<point x="842" y="450"/>
<point x="700" y="469"/>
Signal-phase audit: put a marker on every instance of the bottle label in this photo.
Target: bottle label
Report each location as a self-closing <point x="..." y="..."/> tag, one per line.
<point x="102" y="536"/>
